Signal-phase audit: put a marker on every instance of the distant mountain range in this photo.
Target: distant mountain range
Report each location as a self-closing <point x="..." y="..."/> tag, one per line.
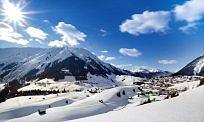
<point x="25" y="64"/>
<point x="196" y="67"/>
<point x="150" y="73"/>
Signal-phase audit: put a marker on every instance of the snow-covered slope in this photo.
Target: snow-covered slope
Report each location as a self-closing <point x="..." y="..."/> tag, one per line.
<point x="185" y="85"/>
<point x="187" y="107"/>
<point x="196" y="67"/>
<point x="50" y="84"/>
<point x="9" y="55"/>
<point x="26" y="105"/>
<point x="10" y="58"/>
<point x="86" y="107"/>
<point x="70" y="84"/>
<point x="127" y="80"/>
<point x="2" y="86"/>
<point x="56" y="63"/>
<point x="145" y="70"/>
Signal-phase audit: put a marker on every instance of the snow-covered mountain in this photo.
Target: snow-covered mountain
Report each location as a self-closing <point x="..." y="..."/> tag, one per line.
<point x="56" y="63"/>
<point x="145" y="70"/>
<point x="196" y="67"/>
<point x="149" y="72"/>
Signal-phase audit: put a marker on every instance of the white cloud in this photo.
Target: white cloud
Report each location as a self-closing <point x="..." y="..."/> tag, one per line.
<point x="191" y="11"/>
<point x="110" y="58"/>
<point x="46" y="21"/>
<point x="106" y="58"/>
<point x="166" y="62"/>
<point x="147" y="22"/>
<point x="130" y="52"/>
<point x="8" y="34"/>
<point x="103" y="32"/>
<point x="36" y="33"/>
<point x="69" y="34"/>
<point x="22" y="41"/>
<point x="123" y="66"/>
<point x="57" y="43"/>
<point x="188" y="27"/>
<point x="104" y="51"/>
<point x="146" y="69"/>
<point x="38" y="40"/>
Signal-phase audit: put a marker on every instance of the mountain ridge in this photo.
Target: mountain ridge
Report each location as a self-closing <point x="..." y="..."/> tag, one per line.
<point x="195" y="67"/>
<point x="51" y="62"/>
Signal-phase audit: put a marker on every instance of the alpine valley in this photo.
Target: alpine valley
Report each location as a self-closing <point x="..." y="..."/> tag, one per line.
<point x="47" y="80"/>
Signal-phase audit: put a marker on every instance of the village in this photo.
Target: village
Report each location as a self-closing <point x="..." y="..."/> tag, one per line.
<point x="165" y="87"/>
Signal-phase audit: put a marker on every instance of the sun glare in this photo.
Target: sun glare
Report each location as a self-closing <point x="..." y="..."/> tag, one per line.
<point x="13" y="13"/>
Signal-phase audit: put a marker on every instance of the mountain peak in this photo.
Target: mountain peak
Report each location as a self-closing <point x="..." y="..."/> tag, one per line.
<point x="196" y="67"/>
<point x="51" y="63"/>
<point x="146" y="70"/>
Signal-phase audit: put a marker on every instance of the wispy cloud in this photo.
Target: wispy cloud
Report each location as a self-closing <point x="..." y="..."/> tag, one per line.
<point x="104" y="51"/>
<point x="123" y="66"/>
<point x="57" y="43"/>
<point x="8" y="34"/>
<point x="46" y="21"/>
<point x="130" y="52"/>
<point x="103" y="32"/>
<point x="187" y="28"/>
<point x="106" y="58"/>
<point x="147" y="22"/>
<point x="167" y="62"/>
<point x="36" y="33"/>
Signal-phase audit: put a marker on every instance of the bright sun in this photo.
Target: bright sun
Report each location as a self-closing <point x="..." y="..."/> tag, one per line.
<point x="13" y="13"/>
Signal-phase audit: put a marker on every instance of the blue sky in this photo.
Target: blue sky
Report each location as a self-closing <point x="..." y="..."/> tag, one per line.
<point x="126" y="33"/>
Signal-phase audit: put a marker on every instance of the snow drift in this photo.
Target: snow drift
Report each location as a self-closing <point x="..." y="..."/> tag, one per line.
<point x="87" y="107"/>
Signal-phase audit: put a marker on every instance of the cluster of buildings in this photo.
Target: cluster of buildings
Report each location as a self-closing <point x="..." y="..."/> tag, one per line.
<point x="159" y="88"/>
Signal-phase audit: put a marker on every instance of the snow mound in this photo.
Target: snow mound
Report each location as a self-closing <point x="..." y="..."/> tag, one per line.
<point x="86" y="107"/>
<point x="26" y="105"/>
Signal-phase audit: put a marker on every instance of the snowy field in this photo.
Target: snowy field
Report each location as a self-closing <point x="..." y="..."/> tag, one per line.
<point x="25" y="105"/>
<point x="188" y="107"/>
<point x="98" y="81"/>
<point x="83" y="108"/>
<point x="50" y="84"/>
<point x="185" y="85"/>
<point x="127" y="80"/>
<point x="120" y="103"/>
